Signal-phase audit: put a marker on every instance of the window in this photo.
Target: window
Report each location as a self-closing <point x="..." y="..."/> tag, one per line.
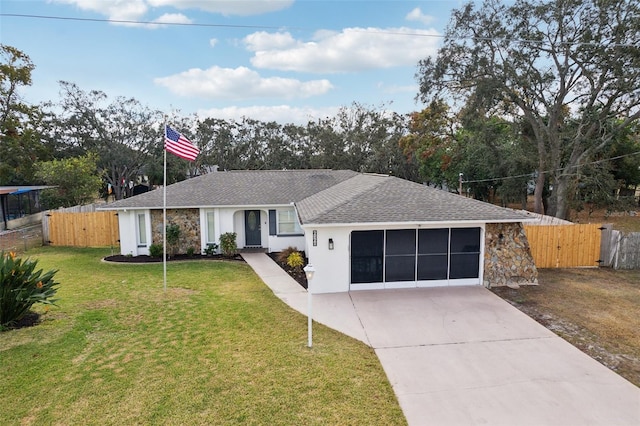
<point x="433" y="249"/>
<point x="400" y="255"/>
<point x="142" y="229"/>
<point x="367" y="249"/>
<point x="288" y="222"/>
<point x="211" y="228"/>
<point x="404" y="255"/>
<point x="465" y="253"/>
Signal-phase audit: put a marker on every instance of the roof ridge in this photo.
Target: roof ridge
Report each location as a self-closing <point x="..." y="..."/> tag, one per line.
<point x="281" y="170"/>
<point x="343" y="197"/>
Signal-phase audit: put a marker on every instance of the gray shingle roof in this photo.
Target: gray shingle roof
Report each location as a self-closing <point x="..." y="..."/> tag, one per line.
<point x="384" y="199"/>
<point x="239" y="188"/>
<point x="324" y="197"/>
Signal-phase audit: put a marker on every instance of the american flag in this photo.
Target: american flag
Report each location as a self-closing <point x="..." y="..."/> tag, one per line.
<point x="177" y="144"/>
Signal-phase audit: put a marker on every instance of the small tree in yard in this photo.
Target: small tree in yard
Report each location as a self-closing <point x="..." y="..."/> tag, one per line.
<point x="21" y="286"/>
<point x="295" y="261"/>
<point x="228" y="244"/>
<point x="77" y="181"/>
<point x="283" y="256"/>
<point x="173" y="237"/>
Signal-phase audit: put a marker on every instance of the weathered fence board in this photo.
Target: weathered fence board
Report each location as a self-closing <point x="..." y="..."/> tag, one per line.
<point x="628" y="254"/>
<point x="95" y="229"/>
<point x="564" y="246"/>
<point x="21" y="240"/>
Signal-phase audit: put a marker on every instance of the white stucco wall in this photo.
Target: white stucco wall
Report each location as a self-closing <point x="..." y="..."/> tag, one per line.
<point x="129" y="232"/>
<point x="232" y="220"/>
<point x="127" y="229"/>
<point x="333" y="267"/>
<point x="281" y="242"/>
<point x="238" y="226"/>
<point x="225" y="220"/>
<point x="204" y="229"/>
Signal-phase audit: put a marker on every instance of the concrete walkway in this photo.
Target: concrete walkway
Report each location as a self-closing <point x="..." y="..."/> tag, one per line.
<point x="463" y="356"/>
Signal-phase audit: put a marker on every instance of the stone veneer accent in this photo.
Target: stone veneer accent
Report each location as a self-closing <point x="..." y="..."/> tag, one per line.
<point x="189" y="222"/>
<point x="507" y="256"/>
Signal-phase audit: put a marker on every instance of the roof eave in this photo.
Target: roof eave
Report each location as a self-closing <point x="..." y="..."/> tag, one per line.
<point x="217" y="206"/>
<point x="416" y="224"/>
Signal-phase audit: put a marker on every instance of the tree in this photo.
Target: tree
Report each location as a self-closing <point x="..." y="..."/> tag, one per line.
<point x="76" y="181"/>
<point x="430" y="142"/>
<point x="493" y="157"/>
<point x="20" y="141"/>
<point x="371" y="139"/>
<point x="122" y="133"/>
<point x="626" y="154"/>
<point x="15" y="72"/>
<point x="567" y="68"/>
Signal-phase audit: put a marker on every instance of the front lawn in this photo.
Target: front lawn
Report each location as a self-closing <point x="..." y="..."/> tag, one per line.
<point x="216" y="348"/>
<point x="595" y="309"/>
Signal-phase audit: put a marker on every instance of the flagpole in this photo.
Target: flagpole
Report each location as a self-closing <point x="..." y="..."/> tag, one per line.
<point x="177" y="144"/>
<point x="164" y="219"/>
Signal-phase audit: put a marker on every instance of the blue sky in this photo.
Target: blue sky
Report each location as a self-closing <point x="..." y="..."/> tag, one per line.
<point x="282" y="60"/>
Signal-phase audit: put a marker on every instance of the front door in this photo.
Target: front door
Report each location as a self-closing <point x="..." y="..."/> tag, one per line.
<point x="252" y="228"/>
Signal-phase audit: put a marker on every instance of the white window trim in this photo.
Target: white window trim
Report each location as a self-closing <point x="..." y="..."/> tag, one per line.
<point x="297" y="230"/>
<point x="147" y="230"/>
<point x="204" y="227"/>
<point x="207" y="230"/>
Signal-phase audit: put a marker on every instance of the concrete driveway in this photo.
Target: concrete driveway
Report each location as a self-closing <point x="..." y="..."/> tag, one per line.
<point x="463" y="356"/>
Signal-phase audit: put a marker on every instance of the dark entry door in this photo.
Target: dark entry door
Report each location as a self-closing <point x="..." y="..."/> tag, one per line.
<point x="252" y="228"/>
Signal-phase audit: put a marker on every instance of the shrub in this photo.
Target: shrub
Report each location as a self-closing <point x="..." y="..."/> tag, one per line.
<point x="173" y="237"/>
<point x="295" y="260"/>
<point x="228" y="244"/>
<point x="211" y="249"/>
<point x="21" y="286"/>
<point x="283" y="256"/>
<point x="190" y="251"/>
<point x="155" y="250"/>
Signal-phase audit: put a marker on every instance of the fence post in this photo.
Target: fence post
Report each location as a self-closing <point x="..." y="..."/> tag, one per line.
<point x="45" y="227"/>
<point x="606" y="234"/>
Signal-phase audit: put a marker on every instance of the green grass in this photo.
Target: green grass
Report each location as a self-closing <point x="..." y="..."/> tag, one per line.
<point x="216" y="348"/>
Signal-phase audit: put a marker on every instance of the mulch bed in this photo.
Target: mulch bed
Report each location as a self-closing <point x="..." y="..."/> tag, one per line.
<point x="29" y="320"/>
<point x="296" y="274"/>
<point x="121" y="258"/>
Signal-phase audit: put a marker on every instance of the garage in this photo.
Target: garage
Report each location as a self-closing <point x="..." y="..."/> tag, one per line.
<point x="401" y="258"/>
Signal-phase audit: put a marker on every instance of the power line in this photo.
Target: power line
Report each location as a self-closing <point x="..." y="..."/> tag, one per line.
<point x="551" y="171"/>
<point x="124" y="21"/>
<point x="267" y="27"/>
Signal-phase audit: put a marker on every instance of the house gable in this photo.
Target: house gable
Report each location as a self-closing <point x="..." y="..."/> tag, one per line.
<point x="385" y="199"/>
<point x="238" y="188"/>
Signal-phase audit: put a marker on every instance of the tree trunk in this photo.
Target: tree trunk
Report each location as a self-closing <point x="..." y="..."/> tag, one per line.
<point x="561" y="197"/>
<point x="538" y="205"/>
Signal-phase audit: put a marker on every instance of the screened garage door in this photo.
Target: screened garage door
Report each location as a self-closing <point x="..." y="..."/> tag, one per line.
<point x="400" y="258"/>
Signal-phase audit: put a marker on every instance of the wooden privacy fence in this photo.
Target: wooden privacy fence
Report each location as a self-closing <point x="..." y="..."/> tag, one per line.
<point x="564" y="246"/>
<point x="620" y="250"/>
<point x="92" y="229"/>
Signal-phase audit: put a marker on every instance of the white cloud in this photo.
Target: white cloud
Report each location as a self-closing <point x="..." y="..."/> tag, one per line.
<point x="417" y="16"/>
<point x="351" y="50"/>
<point x="227" y="7"/>
<point x="283" y="114"/>
<point x="239" y="83"/>
<point x="133" y="10"/>
<point x="213" y="42"/>
<point x="263" y="40"/>
<point x="173" y="18"/>
<point x="126" y="10"/>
